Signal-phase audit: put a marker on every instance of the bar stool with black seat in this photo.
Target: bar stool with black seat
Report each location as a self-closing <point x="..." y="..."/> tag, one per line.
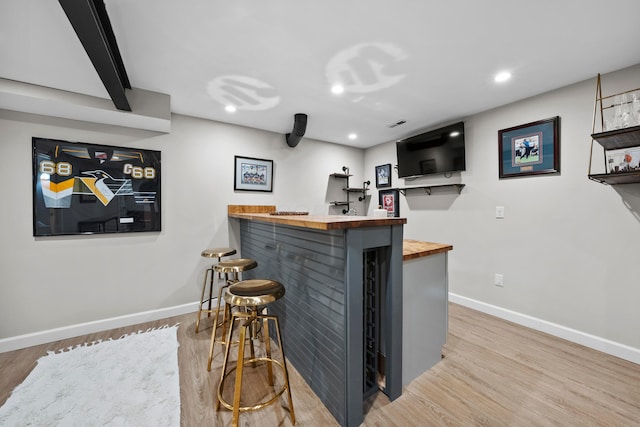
<point x="253" y="296"/>
<point x="209" y="274"/>
<point x="231" y="269"/>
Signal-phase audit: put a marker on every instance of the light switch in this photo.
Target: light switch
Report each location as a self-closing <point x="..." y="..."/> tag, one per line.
<point x="500" y="212"/>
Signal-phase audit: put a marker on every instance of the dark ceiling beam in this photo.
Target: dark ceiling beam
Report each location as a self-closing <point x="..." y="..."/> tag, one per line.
<point x="91" y="23"/>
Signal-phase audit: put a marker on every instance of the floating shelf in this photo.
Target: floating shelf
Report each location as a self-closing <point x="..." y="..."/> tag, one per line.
<point x="619" y="138"/>
<point x="362" y="190"/>
<point x="428" y="188"/>
<point x="616" y="178"/>
<point x="616" y="139"/>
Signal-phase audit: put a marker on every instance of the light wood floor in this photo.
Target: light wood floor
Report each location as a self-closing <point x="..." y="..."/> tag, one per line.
<point x="494" y="373"/>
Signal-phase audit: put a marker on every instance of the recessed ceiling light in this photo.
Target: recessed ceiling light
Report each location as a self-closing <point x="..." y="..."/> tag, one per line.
<point x="352" y="136"/>
<point x="337" y="89"/>
<point x="502" y="76"/>
<point x="230" y="109"/>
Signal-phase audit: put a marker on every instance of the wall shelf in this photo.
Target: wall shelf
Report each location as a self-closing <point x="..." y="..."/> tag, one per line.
<point x="617" y="139"/>
<point x="341" y="175"/>
<point x="429" y="188"/>
<point x="362" y="190"/>
<point x="616" y="178"/>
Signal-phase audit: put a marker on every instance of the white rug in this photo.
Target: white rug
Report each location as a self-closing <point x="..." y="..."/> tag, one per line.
<point x="130" y="381"/>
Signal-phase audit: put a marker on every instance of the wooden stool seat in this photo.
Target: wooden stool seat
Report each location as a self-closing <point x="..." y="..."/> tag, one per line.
<point x="254" y="296"/>
<point x="210" y="253"/>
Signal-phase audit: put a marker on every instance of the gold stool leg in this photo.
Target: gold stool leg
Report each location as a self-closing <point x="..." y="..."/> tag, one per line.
<point x="267" y="346"/>
<point x="251" y="322"/>
<point x="286" y="372"/>
<point x="227" y="308"/>
<point x="204" y="287"/>
<point x="215" y="325"/>
<point x="224" y="365"/>
<point x="226" y="315"/>
<point x="239" y="367"/>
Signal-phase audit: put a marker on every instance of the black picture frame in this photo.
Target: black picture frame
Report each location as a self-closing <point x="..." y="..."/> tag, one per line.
<point x="530" y="149"/>
<point x="81" y="188"/>
<point x="252" y="174"/>
<point x="383" y="176"/>
<point x="390" y="201"/>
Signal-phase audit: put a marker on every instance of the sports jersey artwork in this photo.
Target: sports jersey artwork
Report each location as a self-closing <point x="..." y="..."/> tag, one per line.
<point x="81" y="188"/>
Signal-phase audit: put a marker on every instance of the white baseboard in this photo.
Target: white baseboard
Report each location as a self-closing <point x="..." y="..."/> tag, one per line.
<point x="597" y="343"/>
<point x="50" y="335"/>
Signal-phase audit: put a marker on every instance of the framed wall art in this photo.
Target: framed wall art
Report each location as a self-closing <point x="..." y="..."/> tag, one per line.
<point x="81" y="188"/>
<point x="383" y="176"/>
<point x="530" y="149"/>
<point x="253" y="174"/>
<point x="389" y="200"/>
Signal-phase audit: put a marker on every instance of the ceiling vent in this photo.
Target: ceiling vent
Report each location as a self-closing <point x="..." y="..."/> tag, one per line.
<point x="392" y="125"/>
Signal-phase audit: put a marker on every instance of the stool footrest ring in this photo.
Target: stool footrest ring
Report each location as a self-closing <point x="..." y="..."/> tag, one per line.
<point x="259" y="405"/>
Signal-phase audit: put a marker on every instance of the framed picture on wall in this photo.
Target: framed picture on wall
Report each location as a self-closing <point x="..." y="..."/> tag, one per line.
<point x="530" y="149"/>
<point x="81" y="188"/>
<point x="383" y="176"/>
<point x="253" y="174"/>
<point x="389" y="200"/>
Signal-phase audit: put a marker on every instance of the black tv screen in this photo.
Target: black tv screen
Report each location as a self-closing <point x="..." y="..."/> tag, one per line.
<point x="81" y="188"/>
<point x="435" y="152"/>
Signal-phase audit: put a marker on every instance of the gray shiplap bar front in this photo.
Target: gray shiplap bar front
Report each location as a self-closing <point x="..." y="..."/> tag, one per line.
<point x="321" y="314"/>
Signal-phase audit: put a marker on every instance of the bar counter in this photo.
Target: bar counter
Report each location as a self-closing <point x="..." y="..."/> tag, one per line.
<point x="318" y="222"/>
<point x="346" y="300"/>
<point x="412" y="249"/>
<point x="341" y="317"/>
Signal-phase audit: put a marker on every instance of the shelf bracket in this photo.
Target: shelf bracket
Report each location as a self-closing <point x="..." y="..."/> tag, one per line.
<point x="365" y="187"/>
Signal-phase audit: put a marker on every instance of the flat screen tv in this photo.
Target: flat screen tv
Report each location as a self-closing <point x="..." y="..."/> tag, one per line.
<point x="437" y="151"/>
<point x="81" y="188"/>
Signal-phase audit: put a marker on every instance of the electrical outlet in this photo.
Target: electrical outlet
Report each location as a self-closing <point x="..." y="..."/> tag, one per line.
<point x="498" y="280"/>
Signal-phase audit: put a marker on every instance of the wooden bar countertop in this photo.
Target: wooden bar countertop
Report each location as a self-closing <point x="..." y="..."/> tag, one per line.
<point x="412" y="249"/>
<point x="320" y="222"/>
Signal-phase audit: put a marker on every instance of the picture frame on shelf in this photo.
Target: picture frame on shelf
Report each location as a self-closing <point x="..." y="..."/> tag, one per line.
<point x="623" y="160"/>
<point x="252" y="174"/>
<point x="529" y="149"/>
<point x="390" y="201"/>
<point x="383" y="176"/>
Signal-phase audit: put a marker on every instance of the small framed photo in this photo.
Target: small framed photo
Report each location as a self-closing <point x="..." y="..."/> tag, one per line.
<point x="530" y="149"/>
<point x="383" y="176"/>
<point x="389" y="200"/>
<point x="623" y="160"/>
<point x="253" y="174"/>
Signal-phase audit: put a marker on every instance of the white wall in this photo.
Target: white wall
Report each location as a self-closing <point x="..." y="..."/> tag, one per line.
<point x="567" y="247"/>
<point x="60" y="281"/>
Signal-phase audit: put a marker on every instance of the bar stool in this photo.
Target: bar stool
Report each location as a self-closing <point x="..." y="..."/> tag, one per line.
<point x="210" y="253"/>
<point x="253" y="295"/>
<point x="231" y="270"/>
